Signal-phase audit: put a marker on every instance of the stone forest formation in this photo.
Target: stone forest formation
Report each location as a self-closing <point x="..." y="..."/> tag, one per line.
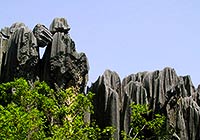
<point x="62" y="66"/>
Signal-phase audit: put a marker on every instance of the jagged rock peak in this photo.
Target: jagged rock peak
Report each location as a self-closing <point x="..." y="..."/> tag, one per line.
<point x="43" y="35"/>
<point x="156" y="83"/>
<point x="61" y="66"/>
<point x="112" y="80"/>
<point x="164" y="91"/>
<point x="59" y="25"/>
<point x="16" y="26"/>
<point x="107" y="101"/>
<point x="5" y="32"/>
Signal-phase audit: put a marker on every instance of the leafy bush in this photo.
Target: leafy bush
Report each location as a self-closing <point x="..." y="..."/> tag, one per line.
<point x="141" y="124"/>
<point x="38" y="112"/>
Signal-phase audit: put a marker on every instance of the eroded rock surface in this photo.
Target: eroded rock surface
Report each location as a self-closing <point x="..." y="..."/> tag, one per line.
<point x="43" y="35"/>
<point x="21" y="54"/>
<point x="164" y="91"/>
<point x="107" y="101"/>
<point x="61" y="67"/>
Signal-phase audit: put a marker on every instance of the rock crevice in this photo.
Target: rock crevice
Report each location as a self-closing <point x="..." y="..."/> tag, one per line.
<point x="61" y="66"/>
<point x="164" y="91"/>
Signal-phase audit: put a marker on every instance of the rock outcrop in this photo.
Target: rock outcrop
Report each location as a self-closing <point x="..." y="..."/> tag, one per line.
<point x="164" y="91"/>
<point x="61" y="66"/>
<point x="106" y="101"/>
<point x="21" y="54"/>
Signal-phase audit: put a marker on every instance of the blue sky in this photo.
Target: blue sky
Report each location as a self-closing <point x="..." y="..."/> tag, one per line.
<point x="125" y="36"/>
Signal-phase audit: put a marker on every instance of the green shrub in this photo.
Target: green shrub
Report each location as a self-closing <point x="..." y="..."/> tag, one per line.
<point x="39" y="112"/>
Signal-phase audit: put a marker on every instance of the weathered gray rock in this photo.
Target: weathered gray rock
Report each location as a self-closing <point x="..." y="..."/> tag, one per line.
<point x="156" y="84"/>
<point x="22" y="54"/>
<point x="183" y="111"/>
<point x="164" y="91"/>
<point x="5" y="32"/>
<point x="59" y="25"/>
<point x="43" y="35"/>
<point x="107" y="101"/>
<point x="63" y="66"/>
<point x="146" y="88"/>
<point x="4" y="35"/>
<point x="132" y="92"/>
<point x="196" y="96"/>
<point x="167" y="93"/>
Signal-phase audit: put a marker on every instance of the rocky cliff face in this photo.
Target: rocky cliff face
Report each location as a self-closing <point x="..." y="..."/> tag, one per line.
<point x="164" y="91"/>
<point x="107" y="104"/>
<point x="61" y="66"/>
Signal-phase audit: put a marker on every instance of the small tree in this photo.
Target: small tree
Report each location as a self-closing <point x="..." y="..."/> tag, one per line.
<point x="140" y="124"/>
<point x="39" y="112"/>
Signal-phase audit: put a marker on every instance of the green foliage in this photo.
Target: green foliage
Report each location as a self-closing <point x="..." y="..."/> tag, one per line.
<point x="141" y="124"/>
<point x="39" y="112"/>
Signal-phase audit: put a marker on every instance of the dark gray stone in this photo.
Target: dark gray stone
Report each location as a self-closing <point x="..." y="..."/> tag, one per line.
<point x="133" y="92"/>
<point x="59" y="25"/>
<point x="164" y="91"/>
<point x="5" y="32"/>
<point x="4" y="35"/>
<point x="183" y="111"/>
<point x="107" y="101"/>
<point x="61" y="66"/>
<point x="21" y="56"/>
<point x="15" y="27"/>
<point x="196" y="96"/>
<point x="43" y="35"/>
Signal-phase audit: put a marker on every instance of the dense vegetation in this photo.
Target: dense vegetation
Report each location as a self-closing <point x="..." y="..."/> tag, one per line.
<point x="142" y="127"/>
<point x="35" y="111"/>
<point x="38" y="112"/>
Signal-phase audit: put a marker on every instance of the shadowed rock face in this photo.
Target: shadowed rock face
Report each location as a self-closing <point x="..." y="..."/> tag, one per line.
<point x="106" y="101"/>
<point x="20" y="55"/>
<point x="62" y="66"/>
<point x="163" y="90"/>
<point x="43" y="35"/>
